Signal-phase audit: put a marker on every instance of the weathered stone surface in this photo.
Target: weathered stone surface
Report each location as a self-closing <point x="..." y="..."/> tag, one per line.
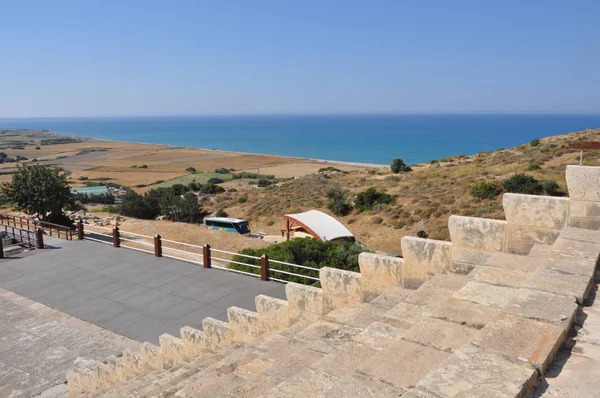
<point x="518" y="337"/>
<point x="392" y="298"/>
<point x="428" y="299"/>
<point x="193" y="339"/>
<point x="273" y="313"/>
<point x="559" y="282"/>
<point x="576" y="248"/>
<point x="465" y="312"/>
<point x="379" y="335"/>
<point x="151" y="355"/>
<point x="543" y="306"/>
<point x="521" y="238"/>
<point x="465" y="260"/>
<point x="216" y="334"/>
<point x="340" y="288"/>
<point x="536" y="211"/>
<point x="358" y="317"/>
<point x="514" y="261"/>
<point x="582" y="208"/>
<point x="344" y="359"/>
<point x="486" y="294"/>
<point x="172" y="349"/>
<point x="539" y="250"/>
<point x="424" y="257"/>
<point x="403" y="363"/>
<point x="478" y="233"/>
<point x="500" y="276"/>
<point x="571" y="264"/>
<point x="305" y="299"/>
<point x="325" y="336"/>
<point x="592" y="223"/>
<point x="473" y="372"/>
<point x="450" y="282"/>
<point x="243" y="324"/>
<point x="381" y="268"/>
<point x="583" y="183"/>
<point x="403" y="316"/>
<point x="439" y="334"/>
<point x="583" y="235"/>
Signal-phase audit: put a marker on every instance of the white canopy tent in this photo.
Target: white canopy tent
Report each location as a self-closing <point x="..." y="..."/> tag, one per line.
<point x="318" y="224"/>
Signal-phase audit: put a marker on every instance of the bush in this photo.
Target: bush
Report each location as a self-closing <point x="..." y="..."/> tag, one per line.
<point x="523" y="183"/>
<point x="485" y="190"/>
<point x="210" y="189"/>
<point x="369" y="198"/>
<point x="337" y="202"/>
<point x="138" y="166"/>
<point x="252" y="176"/>
<point x="243" y="199"/>
<point x="422" y="234"/>
<point x="191" y="170"/>
<point x="303" y="251"/>
<point x="221" y="213"/>
<point x="37" y="148"/>
<point x="551" y="188"/>
<point x="398" y="166"/>
<point x="105" y="198"/>
<point x="535" y="142"/>
<point x="263" y="183"/>
<point x="533" y="167"/>
<point x="330" y="169"/>
<point x="215" y="180"/>
<point x="223" y="171"/>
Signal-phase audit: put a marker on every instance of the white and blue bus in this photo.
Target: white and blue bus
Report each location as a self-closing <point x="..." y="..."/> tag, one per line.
<point x="227" y="224"/>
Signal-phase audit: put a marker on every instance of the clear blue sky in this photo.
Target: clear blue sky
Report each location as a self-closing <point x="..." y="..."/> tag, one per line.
<point x="126" y="57"/>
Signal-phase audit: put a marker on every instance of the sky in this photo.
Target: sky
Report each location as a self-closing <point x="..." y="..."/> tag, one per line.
<point x="132" y="58"/>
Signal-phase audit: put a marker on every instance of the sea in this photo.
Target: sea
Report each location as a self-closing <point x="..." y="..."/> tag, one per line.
<point x="373" y="139"/>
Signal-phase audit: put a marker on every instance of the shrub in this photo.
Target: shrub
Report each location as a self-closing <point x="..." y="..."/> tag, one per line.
<point x="252" y="176"/>
<point x="398" y="166"/>
<point x="263" y="182"/>
<point x="191" y="170"/>
<point x="215" y="180"/>
<point x="37" y="148"/>
<point x="551" y="188"/>
<point x="307" y="252"/>
<point x="211" y="189"/>
<point x="533" y="167"/>
<point x="485" y="190"/>
<point x="139" y="166"/>
<point x="221" y="213"/>
<point x="337" y="202"/>
<point x="243" y="199"/>
<point x="422" y="234"/>
<point x="330" y="169"/>
<point x="376" y="220"/>
<point x="369" y="198"/>
<point x="535" y="142"/>
<point x="223" y="171"/>
<point x="21" y="158"/>
<point x="105" y="198"/>
<point x="83" y="178"/>
<point x="523" y="183"/>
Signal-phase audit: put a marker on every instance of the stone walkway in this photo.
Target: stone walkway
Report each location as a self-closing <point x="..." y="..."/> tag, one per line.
<point x="131" y="293"/>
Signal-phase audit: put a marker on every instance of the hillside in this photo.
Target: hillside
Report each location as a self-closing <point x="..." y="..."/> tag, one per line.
<point x="424" y="198"/>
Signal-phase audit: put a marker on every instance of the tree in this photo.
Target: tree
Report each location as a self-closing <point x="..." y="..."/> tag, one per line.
<point x="337" y="202"/>
<point x="40" y="191"/>
<point x="191" y="170"/>
<point x="398" y="166"/>
<point x="485" y="190"/>
<point x="367" y="199"/>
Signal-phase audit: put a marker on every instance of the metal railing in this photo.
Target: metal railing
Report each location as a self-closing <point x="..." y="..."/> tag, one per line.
<point x="25" y="223"/>
<point x="259" y="267"/>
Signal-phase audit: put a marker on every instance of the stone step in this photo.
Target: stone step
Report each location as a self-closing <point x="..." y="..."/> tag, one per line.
<point x="539" y="250"/>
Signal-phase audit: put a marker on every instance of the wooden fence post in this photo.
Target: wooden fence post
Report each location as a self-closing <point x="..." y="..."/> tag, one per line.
<point x="116" y="237"/>
<point x="206" y="255"/>
<point x="157" y="246"/>
<point x="1" y="248"/>
<point x="264" y="267"/>
<point x="80" y="232"/>
<point x="39" y="238"/>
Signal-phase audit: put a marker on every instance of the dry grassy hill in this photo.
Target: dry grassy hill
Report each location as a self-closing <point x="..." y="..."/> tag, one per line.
<point x="424" y="198"/>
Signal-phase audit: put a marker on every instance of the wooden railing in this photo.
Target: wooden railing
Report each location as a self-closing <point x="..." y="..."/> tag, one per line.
<point x="25" y="223"/>
<point x="21" y="237"/>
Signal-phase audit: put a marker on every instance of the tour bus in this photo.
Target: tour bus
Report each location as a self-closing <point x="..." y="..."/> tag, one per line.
<point x="227" y="224"/>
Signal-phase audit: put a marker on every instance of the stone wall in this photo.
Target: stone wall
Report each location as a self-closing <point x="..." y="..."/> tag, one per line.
<point x="474" y="240"/>
<point x="424" y="258"/>
<point x="583" y="183"/>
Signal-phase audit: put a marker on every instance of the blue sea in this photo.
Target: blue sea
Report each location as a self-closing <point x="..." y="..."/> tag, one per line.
<point x="365" y="139"/>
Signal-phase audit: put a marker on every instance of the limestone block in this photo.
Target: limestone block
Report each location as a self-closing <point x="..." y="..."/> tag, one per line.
<point x="583" y="183"/>
<point x="584" y="222"/>
<point x="428" y="298"/>
<point x="114" y="368"/>
<point x="580" y="234"/>
<point x="86" y="376"/>
<point x="151" y="356"/>
<point x="464" y="260"/>
<point x="379" y="335"/>
<point x="382" y="272"/>
<point x="514" y="261"/>
<point x="392" y="298"/>
<point x="468" y="313"/>
<point x="425" y="257"/>
<point x="519" y="337"/>
<point x="172" y="349"/>
<point x="576" y="248"/>
<point x="216" y="334"/>
<point x="555" y="281"/>
<point x="345" y="358"/>
<point x="440" y="334"/>
<point x="536" y="211"/>
<point x="478" y="233"/>
<point x="539" y="250"/>
<point x="520" y="238"/>
<point x="474" y="372"/>
<point x="357" y="317"/>
<point x="500" y="276"/>
<point x="131" y="365"/>
<point x="571" y="264"/>
<point x="580" y="208"/>
<point x="403" y="363"/>
<point x="549" y="307"/>
<point x="486" y="294"/>
<point x="193" y="340"/>
<point x="340" y="288"/>
<point x="449" y="282"/>
<point x="305" y="300"/>
<point x="403" y="316"/>
<point x="273" y="313"/>
<point x="243" y="324"/>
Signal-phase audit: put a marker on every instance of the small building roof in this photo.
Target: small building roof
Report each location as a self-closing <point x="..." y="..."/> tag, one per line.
<point x="320" y="225"/>
<point x="90" y="190"/>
